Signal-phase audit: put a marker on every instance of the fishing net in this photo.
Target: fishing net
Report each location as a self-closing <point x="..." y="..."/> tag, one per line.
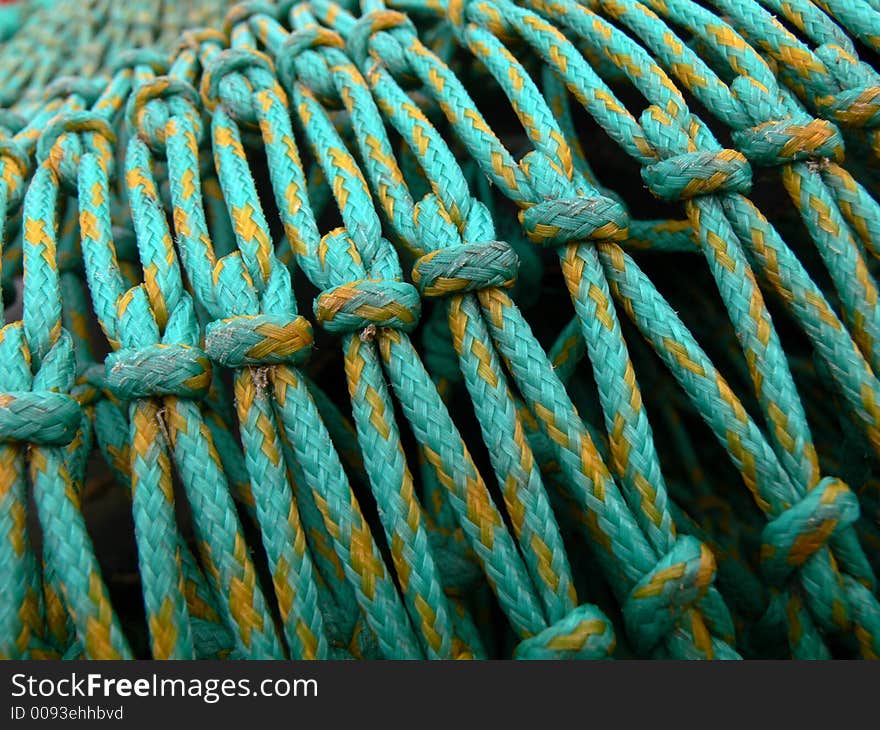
<point x="428" y="329"/>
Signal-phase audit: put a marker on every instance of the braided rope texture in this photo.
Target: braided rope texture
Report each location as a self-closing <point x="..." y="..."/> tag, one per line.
<point x="406" y="329"/>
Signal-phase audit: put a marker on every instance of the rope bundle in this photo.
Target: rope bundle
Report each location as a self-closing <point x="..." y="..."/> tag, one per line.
<point x="290" y="367"/>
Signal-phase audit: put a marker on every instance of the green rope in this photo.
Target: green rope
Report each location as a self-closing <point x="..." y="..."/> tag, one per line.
<point x="455" y="464"/>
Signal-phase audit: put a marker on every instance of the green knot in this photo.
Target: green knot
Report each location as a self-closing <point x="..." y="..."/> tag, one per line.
<point x="44" y="418"/>
<point x="368" y="25"/>
<point x="584" y="633"/>
<point x="262" y="339"/>
<point x="231" y="80"/>
<point x="691" y="174"/>
<point x="199" y="40"/>
<point x="158" y="370"/>
<point x="857" y="108"/>
<point x="242" y="13"/>
<point x="560" y="221"/>
<point x="659" y="601"/>
<point x="369" y="303"/>
<point x="155" y="102"/>
<point x="70" y="135"/>
<point x="63" y="87"/>
<point x="131" y="58"/>
<point x="786" y="141"/>
<point x="11" y="122"/>
<point x="799" y="532"/>
<point x="470" y="267"/>
<point x="315" y="73"/>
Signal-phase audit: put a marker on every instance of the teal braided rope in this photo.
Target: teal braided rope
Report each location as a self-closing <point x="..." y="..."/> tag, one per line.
<point x="726" y="262"/>
<point x="839" y="178"/>
<point x="276" y="330"/>
<point x="372" y="407"/>
<point x="42" y="341"/>
<point x="278" y="339"/>
<point x="236" y="339"/>
<point x="210" y="634"/>
<point x="222" y="543"/>
<point x="763" y="351"/>
<point x="736" y="581"/>
<point x="20" y="603"/>
<point x="688" y="362"/>
<point x="346" y="629"/>
<point x="352" y="539"/>
<point x="770" y="132"/>
<point x="568" y="441"/>
<point x="829" y="80"/>
<point x="859" y="18"/>
<point x="398" y="355"/>
<point x="532" y="520"/>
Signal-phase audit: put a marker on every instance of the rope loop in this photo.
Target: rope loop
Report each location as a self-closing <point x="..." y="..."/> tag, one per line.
<point x="61" y="145"/>
<point x="456" y="13"/>
<point x="786" y="141"/>
<point x="676" y="584"/>
<point x="44" y="418"/>
<point x="369" y="303"/>
<point x="64" y="87"/>
<point x="585" y="633"/>
<point x="158" y="370"/>
<point x="131" y="58"/>
<point x="788" y="541"/>
<point x="470" y="267"/>
<point x="11" y="122"/>
<point x="232" y="78"/>
<point x="262" y="339"/>
<point x="242" y="12"/>
<point x="371" y="23"/>
<point x="692" y="174"/>
<point x="43" y="415"/>
<point x="195" y="39"/>
<point x="316" y="74"/>
<point x="151" y="120"/>
<point x="16" y="165"/>
<point x="560" y="221"/>
<point x="857" y="108"/>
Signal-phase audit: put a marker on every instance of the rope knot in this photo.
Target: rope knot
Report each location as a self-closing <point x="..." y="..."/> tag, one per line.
<point x="786" y="141"/>
<point x="63" y="87"/>
<point x="150" y="120"/>
<point x="691" y="174"/>
<point x="584" y="633"/>
<point x="315" y="72"/>
<point x="242" y="12"/>
<point x="369" y="25"/>
<point x="195" y="39"/>
<point x="559" y="221"/>
<point x="470" y="267"/>
<point x="63" y="142"/>
<point x="232" y="79"/>
<point x="36" y="409"/>
<point x="261" y="339"/>
<point x="799" y="532"/>
<point x="14" y="170"/>
<point x="366" y="303"/>
<point x="44" y="418"/>
<point x="131" y="58"/>
<point x="158" y="370"/>
<point x="854" y="108"/>
<point x="659" y="601"/>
